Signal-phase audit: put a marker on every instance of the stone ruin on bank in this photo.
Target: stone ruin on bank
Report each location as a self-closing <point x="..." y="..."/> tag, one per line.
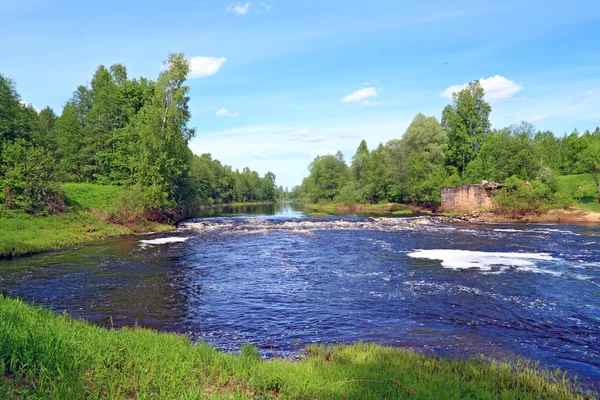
<point x="469" y="197"/>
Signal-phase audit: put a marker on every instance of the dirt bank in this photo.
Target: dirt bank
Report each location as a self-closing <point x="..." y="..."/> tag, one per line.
<point x="554" y="216"/>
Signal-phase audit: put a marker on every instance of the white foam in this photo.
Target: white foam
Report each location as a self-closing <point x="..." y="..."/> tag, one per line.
<point x="153" y="242"/>
<point x="543" y="231"/>
<point x="484" y="261"/>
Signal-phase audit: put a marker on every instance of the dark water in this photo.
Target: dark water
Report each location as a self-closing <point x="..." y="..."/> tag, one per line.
<point x="282" y="280"/>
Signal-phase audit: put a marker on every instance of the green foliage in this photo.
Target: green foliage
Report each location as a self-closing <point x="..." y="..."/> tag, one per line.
<point x="328" y="174"/>
<point x="425" y="134"/>
<point x="521" y="197"/>
<point x="213" y="182"/>
<point x="43" y="355"/>
<point x="466" y="121"/>
<point x="590" y="162"/>
<point x="504" y="153"/>
<point x="28" y="179"/>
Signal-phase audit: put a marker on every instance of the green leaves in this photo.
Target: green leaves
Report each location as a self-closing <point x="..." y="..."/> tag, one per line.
<point x="466" y="121"/>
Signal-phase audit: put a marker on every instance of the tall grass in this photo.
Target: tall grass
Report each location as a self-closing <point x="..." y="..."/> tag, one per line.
<point x="87" y="220"/>
<point x="48" y="356"/>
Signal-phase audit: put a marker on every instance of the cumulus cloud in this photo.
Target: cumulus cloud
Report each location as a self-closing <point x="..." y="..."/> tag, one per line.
<point x="303" y="135"/>
<point x="223" y="112"/>
<point x="201" y="67"/>
<point x="238" y="8"/>
<point x="537" y="118"/>
<point x="361" y="96"/>
<point x="497" y="88"/>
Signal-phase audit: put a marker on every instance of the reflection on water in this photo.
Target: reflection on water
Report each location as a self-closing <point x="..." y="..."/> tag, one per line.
<point x="272" y="277"/>
<point x="282" y="209"/>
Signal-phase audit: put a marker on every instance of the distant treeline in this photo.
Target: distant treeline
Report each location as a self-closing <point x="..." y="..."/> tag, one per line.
<point x="117" y="131"/>
<point x="462" y="149"/>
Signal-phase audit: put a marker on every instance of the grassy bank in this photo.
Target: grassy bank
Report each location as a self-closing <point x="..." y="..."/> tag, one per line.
<point x="87" y="219"/>
<point x="48" y="356"/>
<point x="326" y="208"/>
<point x="582" y="189"/>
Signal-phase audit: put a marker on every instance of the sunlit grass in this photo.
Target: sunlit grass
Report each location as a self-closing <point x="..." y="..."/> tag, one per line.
<point x="583" y="189"/>
<point x="48" y="356"/>
<point x="21" y="233"/>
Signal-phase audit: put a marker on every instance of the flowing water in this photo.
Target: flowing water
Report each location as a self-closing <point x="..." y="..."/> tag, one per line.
<point x="271" y="276"/>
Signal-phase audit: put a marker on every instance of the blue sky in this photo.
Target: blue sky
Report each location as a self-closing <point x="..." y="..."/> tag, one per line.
<point x="275" y="83"/>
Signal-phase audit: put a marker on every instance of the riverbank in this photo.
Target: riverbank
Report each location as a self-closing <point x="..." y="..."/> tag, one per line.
<point x="48" y="356"/>
<point x="385" y="208"/>
<point x="87" y="220"/>
<point x="573" y="215"/>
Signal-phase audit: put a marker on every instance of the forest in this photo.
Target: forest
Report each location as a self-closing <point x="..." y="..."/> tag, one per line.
<point x="461" y="149"/>
<point x="134" y="133"/>
<point x="120" y="131"/>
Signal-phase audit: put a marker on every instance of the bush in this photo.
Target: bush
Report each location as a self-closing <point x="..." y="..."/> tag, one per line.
<point x="520" y="197"/>
<point x="28" y="182"/>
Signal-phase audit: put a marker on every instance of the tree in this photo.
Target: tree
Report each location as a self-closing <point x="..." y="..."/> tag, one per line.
<point x="466" y="122"/>
<point x="425" y="134"/>
<point x="28" y="179"/>
<point x="358" y="162"/>
<point x="571" y="148"/>
<point x="590" y="160"/>
<point x="16" y="118"/>
<point x="504" y="153"/>
<point x="163" y="156"/>
<point x="328" y="174"/>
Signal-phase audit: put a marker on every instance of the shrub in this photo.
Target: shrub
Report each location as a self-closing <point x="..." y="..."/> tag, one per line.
<point x="520" y="197"/>
<point x="28" y="183"/>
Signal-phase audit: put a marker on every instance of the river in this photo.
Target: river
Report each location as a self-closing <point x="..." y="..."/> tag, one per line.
<point x="271" y="276"/>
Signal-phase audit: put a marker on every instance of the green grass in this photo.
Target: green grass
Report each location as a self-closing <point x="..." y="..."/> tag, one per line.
<point x="88" y="196"/>
<point x="48" y="356"/>
<point x="335" y="208"/>
<point x="586" y="197"/>
<point x="21" y="233"/>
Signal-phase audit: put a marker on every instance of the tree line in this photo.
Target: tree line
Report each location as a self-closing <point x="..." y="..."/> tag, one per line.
<point x="461" y="149"/>
<point x="116" y="131"/>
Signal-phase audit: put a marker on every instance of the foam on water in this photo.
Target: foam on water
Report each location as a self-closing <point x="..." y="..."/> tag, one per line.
<point x="154" y="242"/>
<point x="543" y="231"/>
<point x="484" y="261"/>
<point x="262" y="226"/>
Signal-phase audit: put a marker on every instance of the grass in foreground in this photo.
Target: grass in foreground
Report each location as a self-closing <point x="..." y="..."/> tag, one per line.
<point x="21" y="233"/>
<point x="48" y="356"/>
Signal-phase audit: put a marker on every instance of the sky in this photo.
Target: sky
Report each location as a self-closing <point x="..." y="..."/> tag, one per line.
<point x="275" y="83"/>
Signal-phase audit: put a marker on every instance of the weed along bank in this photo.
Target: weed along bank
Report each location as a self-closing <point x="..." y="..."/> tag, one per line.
<point x="469" y="197"/>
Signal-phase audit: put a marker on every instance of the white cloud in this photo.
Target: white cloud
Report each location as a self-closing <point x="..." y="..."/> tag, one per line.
<point x="201" y="67"/>
<point x="27" y="104"/>
<point x="497" y="88"/>
<point x="361" y="96"/>
<point x="238" y="8"/>
<point x="537" y="118"/>
<point x="223" y="112"/>
<point x="266" y="6"/>
<point x="303" y="135"/>
<point x="259" y="154"/>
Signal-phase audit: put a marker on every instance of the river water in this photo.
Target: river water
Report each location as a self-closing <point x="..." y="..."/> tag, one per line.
<point x="271" y="276"/>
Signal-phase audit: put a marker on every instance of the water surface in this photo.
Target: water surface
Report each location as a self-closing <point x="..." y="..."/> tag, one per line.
<point x="270" y="276"/>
